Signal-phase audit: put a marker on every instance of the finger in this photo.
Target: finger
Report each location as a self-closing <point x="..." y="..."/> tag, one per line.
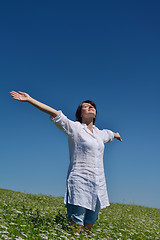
<point x="14" y="94"/>
<point x="16" y="98"/>
<point x="20" y="92"/>
<point x="120" y="139"/>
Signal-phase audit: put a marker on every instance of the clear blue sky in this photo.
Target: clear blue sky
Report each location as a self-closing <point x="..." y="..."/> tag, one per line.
<point x="64" y="53"/>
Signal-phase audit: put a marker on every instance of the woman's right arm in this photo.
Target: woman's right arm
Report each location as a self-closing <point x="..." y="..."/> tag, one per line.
<point x="24" y="97"/>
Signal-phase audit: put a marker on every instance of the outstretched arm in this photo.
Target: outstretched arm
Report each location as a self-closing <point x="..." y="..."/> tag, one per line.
<point x="24" y="97"/>
<point x="116" y="135"/>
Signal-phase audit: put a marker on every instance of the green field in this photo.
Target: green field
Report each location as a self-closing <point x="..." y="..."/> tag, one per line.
<point x="30" y="216"/>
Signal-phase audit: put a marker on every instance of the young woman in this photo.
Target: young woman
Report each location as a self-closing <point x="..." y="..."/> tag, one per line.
<point x="86" y="190"/>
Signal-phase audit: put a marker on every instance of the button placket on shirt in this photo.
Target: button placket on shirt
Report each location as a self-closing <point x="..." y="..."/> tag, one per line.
<point x="96" y="161"/>
<point x="96" y="157"/>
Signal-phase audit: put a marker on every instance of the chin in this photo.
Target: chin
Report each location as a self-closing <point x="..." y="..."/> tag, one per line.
<point x="92" y="114"/>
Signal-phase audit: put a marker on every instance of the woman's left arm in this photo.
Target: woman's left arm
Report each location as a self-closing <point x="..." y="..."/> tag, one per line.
<point x="117" y="135"/>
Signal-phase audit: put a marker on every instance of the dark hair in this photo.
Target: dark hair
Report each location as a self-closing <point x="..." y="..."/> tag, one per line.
<point x="78" y="112"/>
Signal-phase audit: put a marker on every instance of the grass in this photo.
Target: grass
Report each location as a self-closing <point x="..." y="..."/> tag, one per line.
<point x="31" y="216"/>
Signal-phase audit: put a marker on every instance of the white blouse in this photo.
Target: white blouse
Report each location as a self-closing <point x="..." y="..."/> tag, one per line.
<point x="86" y="179"/>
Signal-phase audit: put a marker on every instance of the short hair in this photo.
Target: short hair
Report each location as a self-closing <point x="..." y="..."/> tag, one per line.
<point x="78" y="112"/>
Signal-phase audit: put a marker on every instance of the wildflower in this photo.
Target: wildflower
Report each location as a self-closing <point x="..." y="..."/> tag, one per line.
<point x="5" y="237"/>
<point x="43" y="236"/>
<point x="3" y="227"/>
<point x="18" y="212"/>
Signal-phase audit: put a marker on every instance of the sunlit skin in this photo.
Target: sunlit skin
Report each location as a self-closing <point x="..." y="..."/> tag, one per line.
<point x="24" y="97"/>
<point x="21" y="96"/>
<point x="88" y="113"/>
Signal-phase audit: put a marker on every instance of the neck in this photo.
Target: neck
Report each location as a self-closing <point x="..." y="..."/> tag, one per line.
<point x="89" y="123"/>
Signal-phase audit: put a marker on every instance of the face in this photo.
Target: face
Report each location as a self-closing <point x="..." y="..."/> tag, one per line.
<point x="88" y="110"/>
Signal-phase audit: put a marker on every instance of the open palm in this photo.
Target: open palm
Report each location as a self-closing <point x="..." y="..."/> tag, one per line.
<point x="21" y="96"/>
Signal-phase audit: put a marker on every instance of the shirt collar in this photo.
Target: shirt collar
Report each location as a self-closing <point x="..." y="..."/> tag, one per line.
<point x="85" y="125"/>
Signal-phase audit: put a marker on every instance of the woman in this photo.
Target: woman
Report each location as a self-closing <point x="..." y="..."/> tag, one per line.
<point x="86" y="190"/>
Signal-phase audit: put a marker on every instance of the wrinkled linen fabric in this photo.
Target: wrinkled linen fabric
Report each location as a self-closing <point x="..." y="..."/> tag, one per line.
<point x="85" y="179"/>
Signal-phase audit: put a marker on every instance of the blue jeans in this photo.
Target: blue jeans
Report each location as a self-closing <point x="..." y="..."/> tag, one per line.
<point x="81" y="215"/>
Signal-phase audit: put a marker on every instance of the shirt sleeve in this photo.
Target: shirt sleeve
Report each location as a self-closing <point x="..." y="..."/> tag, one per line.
<point x="107" y="135"/>
<point x="63" y="123"/>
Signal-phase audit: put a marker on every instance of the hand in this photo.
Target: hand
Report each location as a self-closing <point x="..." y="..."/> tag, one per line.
<point x="116" y="135"/>
<point x="21" y="96"/>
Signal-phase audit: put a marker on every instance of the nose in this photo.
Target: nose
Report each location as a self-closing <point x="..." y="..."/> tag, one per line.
<point x="90" y="107"/>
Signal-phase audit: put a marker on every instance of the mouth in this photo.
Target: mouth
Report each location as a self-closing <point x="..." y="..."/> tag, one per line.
<point x="91" y="111"/>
